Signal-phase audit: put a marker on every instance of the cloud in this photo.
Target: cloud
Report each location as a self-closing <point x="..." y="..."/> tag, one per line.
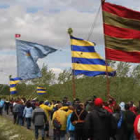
<point x="7" y="67"/>
<point x="43" y="27"/>
<point x="46" y="22"/>
<point x="56" y="70"/>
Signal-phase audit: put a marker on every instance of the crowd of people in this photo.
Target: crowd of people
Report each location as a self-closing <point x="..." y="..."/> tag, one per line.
<point x="92" y="120"/>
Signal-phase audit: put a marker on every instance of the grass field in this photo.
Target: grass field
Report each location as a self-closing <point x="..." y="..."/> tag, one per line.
<point x="9" y="131"/>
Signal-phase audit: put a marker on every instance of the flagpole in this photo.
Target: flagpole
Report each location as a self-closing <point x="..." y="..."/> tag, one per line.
<point x="17" y="36"/>
<point x="10" y="76"/>
<point x="70" y="31"/>
<point x="107" y="76"/>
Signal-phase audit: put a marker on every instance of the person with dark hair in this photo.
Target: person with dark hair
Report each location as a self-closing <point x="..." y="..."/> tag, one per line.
<point x="15" y="111"/>
<point x="111" y="102"/>
<point x="129" y="118"/>
<point x="99" y="123"/>
<point x="39" y="119"/>
<point x="20" y="113"/>
<point x="106" y="107"/>
<point x="47" y="108"/>
<point x="27" y="114"/>
<point x="78" y="120"/>
<point x="119" y="117"/>
<point x="6" y="106"/>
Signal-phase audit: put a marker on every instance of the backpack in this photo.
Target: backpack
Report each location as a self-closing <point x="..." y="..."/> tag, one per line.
<point x="56" y="123"/>
<point x="120" y="121"/>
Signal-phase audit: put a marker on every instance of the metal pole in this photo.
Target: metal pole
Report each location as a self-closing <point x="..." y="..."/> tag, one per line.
<point x="107" y="78"/>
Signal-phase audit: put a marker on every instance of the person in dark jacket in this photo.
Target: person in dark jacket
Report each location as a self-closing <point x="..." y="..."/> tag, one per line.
<point x="20" y="119"/>
<point x="99" y="123"/>
<point x="78" y="119"/>
<point x="119" y="117"/>
<point x="39" y="119"/>
<point x="129" y="118"/>
<point x="6" y="106"/>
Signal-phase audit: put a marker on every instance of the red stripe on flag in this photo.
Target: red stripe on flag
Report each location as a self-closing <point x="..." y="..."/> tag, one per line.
<point x="124" y="33"/>
<point x="118" y="55"/>
<point x="17" y="35"/>
<point x="120" y="11"/>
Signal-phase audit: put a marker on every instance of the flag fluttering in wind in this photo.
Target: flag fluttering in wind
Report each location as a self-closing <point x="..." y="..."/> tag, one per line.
<point x="41" y="90"/>
<point x="13" y="83"/>
<point x="27" y="55"/>
<point x="122" y="33"/>
<point x="86" y="61"/>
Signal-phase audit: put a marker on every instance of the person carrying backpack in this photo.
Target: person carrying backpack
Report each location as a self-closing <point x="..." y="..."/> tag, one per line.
<point x="59" y="120"/>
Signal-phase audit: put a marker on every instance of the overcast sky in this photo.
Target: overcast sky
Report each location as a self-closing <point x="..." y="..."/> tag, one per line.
<point x="46" y="22"/>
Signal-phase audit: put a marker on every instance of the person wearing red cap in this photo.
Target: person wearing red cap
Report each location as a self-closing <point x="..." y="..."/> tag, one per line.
<point x="98" y="102"/>
<point x="99" y="123"/>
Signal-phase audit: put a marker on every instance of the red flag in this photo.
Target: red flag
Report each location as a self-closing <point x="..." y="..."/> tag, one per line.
<point x="17" y="35"/>
<point x="122" y="33"/>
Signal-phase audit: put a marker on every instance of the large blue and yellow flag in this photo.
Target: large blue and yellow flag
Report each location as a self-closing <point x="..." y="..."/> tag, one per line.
<point x="27" y="55"/>
<point x="41" y="90"/>
<point x="86" y="61"/>
<point x="13" y="83"/>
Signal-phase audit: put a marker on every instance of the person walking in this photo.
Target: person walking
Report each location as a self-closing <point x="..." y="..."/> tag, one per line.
<point x="118" y="114"/>
<point x="27" y="114"/>
<point x="1" y="105"/>
<point x="39" y="119"/>
<point x="78" y="120"/>
<point x="45" y="106"/>
<point x="99" y="123"/>
<point x="15" y="111"/>
<point x="129" y="118"/>
<point x="20" y="118"/>
<point x="70" y="128"/>
<point x="59" y="117"/>
<point x="6" y="106"/>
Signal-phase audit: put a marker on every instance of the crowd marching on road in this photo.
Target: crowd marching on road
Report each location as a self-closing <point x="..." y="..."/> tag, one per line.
<point x="92" y="120"/>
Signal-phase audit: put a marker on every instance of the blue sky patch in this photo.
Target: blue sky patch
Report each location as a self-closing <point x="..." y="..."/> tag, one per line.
<point x="4" y="6"/>
<point x="8" y="52"/>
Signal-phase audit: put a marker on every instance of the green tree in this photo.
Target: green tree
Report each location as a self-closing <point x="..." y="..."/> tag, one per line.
<point x="123" y="69"/>
<point x="64" y="76"/>
<point x="48" y="77"/>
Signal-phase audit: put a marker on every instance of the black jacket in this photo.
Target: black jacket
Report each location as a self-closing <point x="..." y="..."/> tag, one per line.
<point x="82" y="117"/>
<point x="129" y="118"/>
<point x="100" y="124"/>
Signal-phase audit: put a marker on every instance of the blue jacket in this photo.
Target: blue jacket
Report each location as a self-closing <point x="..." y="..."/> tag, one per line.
<point x="1" y="103"/>
<point x="27" y="113"/>
<point x="70" y="127"/>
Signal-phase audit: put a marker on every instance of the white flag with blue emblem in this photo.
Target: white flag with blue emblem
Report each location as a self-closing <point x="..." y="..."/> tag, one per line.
<point x="27" y="55"/>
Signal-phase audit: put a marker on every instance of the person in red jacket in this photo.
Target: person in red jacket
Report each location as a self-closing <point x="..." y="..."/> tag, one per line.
<point x="137" y="127"/>
<point x="106" y="107"/>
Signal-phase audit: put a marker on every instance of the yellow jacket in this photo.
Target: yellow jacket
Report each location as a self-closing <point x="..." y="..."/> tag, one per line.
<point x="61" y="116"/>
<point x="46" y="109"/>
<point x="64" y="108"/>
